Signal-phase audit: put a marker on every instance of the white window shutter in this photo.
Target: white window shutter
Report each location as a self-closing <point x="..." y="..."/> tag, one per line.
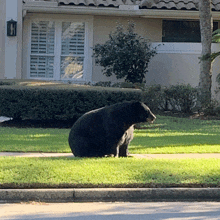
<point x="42" y="49"/>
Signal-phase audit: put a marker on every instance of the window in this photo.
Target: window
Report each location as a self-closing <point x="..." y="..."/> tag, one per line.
<point x="58" y="50"/>
<point x="42" y="49"/>
<point x="72" y="52"/>
<point x="182" y="31"/>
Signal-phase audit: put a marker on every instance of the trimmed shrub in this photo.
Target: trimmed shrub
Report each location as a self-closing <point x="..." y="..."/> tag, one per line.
<point x="213" y="109"/>
<point x="180" y="98"/>
<point x="64" y="103"/>
<point x="177" y="98"/>
<point x="154" y="97"/>
<point x="6" y="83"/>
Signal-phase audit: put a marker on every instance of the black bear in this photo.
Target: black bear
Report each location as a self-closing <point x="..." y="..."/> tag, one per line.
<point x="108" y="130"/>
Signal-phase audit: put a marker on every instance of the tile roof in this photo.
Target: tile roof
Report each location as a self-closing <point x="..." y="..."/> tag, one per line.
<point x="144" y="4"/>
<point x="177" y="4"/>
<point x="107" y="3"/>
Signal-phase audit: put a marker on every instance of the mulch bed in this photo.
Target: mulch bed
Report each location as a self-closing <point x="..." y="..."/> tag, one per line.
<point x="27" y="123"/>
<point x="37" y="124"/>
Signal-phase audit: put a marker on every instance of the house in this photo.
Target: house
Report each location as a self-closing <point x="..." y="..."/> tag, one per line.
<point x="54" y="38"/>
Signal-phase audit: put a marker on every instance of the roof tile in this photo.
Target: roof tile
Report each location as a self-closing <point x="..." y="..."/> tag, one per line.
<point x="148" y="4"/>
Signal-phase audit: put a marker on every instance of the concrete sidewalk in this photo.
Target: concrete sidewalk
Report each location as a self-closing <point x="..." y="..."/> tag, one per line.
<point x="146" y="156"/>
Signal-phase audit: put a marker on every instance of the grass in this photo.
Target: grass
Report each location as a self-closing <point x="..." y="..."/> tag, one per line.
<point x="178" y="135"/>
<point x="167" y="135"/>
<point x="94" y="172"/>
<point x="33" y="140"/>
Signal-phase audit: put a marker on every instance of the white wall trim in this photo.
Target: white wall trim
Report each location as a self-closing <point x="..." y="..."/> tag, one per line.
<point x="182" y="48"/>
<point x="19" y="40"/>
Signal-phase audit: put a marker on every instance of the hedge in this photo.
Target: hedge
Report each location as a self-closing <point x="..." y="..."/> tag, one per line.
<point x="58" y="103"/>
<point x="176" y="98"/>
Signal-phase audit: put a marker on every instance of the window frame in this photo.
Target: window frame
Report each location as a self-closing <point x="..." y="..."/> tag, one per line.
<point x="88" y="44"/>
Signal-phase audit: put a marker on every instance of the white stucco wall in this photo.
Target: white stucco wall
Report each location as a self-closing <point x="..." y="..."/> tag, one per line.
<point x="175" y="63"/>
<point x="2" y="37"/>
<point x="11" y="42"/>
<point x="178" y="63"/>
<point x="13" y="45"/>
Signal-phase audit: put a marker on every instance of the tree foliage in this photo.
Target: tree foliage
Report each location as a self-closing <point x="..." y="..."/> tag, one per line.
<point x="126" y="54"/>
<point x="214" y="55"/>
<point x="215" y="39"/>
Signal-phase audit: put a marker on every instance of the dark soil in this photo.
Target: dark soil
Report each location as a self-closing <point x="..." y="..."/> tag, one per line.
<point x="28" y="123"/>
<point x="38" y="123"/>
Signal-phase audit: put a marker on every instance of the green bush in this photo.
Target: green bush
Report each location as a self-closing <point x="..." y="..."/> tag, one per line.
<point x="127" y="85"/>
<point x="155" y="98"/>
<point x="177" y="98"/>
<point x="126" y="54"/>
<point x="181" y="98"/>
<point x="6" y="83"/>
<point x="213" y="109"/>
<point x="59" y="103"/>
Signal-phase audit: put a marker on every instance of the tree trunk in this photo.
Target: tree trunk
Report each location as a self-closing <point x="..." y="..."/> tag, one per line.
<point x="206" y="26"/>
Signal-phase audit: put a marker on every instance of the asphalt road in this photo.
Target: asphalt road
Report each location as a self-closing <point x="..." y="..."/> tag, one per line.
<point x="110" y="211"/>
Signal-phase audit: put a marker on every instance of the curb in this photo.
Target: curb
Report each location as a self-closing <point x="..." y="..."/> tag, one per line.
<point x="110" y="195"/>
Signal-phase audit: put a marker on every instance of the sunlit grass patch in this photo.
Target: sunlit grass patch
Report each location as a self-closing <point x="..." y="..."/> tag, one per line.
<point x="32" y="172"/>
<point x="178" y="135"/>
<point x="166" y="135"/>
<point x="34" y="139"/>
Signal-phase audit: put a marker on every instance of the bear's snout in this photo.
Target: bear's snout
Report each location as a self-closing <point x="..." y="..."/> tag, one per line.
<point x="151" y="119"/>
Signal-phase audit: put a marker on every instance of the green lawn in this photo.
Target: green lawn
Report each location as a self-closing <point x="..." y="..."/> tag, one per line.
<point x="178" y="135"/>
<point x="166" y="135"/>
<point x="93" y="172"/>
<point x="34" y="140"/>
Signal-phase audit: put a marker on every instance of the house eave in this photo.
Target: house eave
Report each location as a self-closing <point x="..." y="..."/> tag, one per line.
<point x="54" y="8"/>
